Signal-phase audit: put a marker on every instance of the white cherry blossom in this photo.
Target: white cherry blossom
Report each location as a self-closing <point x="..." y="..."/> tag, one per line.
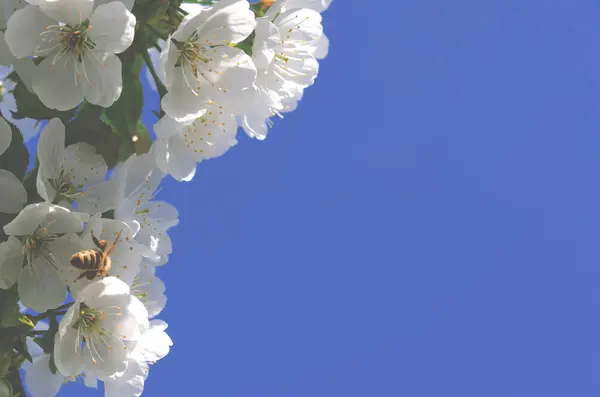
<point x="149" y="289"/>
<point x="79" y="47"/>
<point x="153" y="345"/>
<point x="130" y="192"/>
<point x="13" y="195"/>
<point x="284" y="46"/>
<point x="65" y="172"/>
<point x="179" y="146"/>
<point x="40" y="230"/>
<point x="199" y="58"/>
<point x="97" y="331"/>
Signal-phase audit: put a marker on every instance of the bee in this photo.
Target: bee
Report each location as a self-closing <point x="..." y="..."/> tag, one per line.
<point x="95" y="262"/>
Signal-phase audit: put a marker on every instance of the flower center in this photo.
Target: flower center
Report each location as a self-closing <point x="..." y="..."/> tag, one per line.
<point x="90" y="326"/>
<point x="64" y="187"/>
<point x="38" y="244"/>
<point x="69" y="41"/>
<point x="2" y="90"/>
<point x="192" y="54"/>
<point x="90" y="321"/>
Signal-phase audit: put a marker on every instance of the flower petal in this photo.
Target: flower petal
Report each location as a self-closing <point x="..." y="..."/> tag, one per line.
<point x="174" y="158"/>
<point x="68" y="352"/>
<point x="127" y="3"/>
<point x="113" y="27"/>
<point x="155" y="343"/>
<point x="56" y="86"/>
<point x="266" y="39"/>
<point x="5" y="135"/>
<point x="95" y="294"/>
<point x="40" y="286"/>
<point x="11" y="262"/>
<point x="28" y="219"/>
<point x="315" y="5"/>
<point x="60" y="220"/>
<point x="71" y="12"/>
<point x="322" y="49"/>
<point x="51" y="149"/>
<point x="106" y="355"/>
<point x="180" y="102"/>
<point x="105" y="81"/>
<point x="13" y="195"/>
<point x="84" y="165"/>
<point x="23" y="30"/>
<point x="6" y="56"/>
<point x="227" y="21"/>
<point x="39" y="379"/>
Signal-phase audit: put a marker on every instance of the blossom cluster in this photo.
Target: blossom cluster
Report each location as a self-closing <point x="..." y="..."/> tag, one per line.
<point x="85" y="237"/>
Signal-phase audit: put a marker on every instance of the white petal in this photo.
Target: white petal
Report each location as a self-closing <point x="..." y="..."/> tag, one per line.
<point x="56" y="86"/>
<point x="83" y="164"/>
<point x="127" y="3"/>
<point x="51" y="148"/>
<point x="168" y="58"/>
<point x="40" y="286"/>
<point x="113" y="27"/>
<point x="100" y="198"/>
<point x="109" y="287"/>
<point x="23" y="30"/>
<point x="71" y="12"/>
<point x="155" y="343"/>
<point x="315" y="5"/>
<point x="39" y="379"/>
<point x="6" y="56"/>
<point x="105" y="355"/>
<point x="11" y="262"/>
<point x="266" y="39"/>
<point x="212" y="135"/>
<point x="229" y="69"/>
<point x="174" y="158"/>
<point x="13" y="195"/>
<point x="25" y="68"/>
<point x="228" y="21"/>
<point x="5" y="135"/>
<point x="105" y="84"/>
<point x="28" y="219"/>
<point x="130" y="383"/>
<point x="90" y="380"/>
<point x="180" y="103"/>
<point x="67" y="352"/>
<point x="322" y="47"/>
<point x="70" y="317"/>
<point x="167" y="126"/>
<point x="60" y="220"/>
<point x="299" y="29"/>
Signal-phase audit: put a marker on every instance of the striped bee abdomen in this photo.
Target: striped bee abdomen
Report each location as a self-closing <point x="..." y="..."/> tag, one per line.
<point x="87" y="260"/>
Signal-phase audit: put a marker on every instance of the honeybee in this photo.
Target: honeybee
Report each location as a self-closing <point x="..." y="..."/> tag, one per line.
<point x="95" y="262"/>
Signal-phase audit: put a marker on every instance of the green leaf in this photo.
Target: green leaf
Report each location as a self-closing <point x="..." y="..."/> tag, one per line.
<point x="16" y="157"/>
<point x="125" y="113"/>
<point x="4" y="364"/>
<point x="5" y="389"/>
<point x="21" y="348"/>
<point x="10" y="309"/>
<point x="29" y="106"/>
<point x="53" y="368"/>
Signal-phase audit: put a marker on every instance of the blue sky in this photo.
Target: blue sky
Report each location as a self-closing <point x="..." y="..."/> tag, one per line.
<point x="425" y="224"/>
